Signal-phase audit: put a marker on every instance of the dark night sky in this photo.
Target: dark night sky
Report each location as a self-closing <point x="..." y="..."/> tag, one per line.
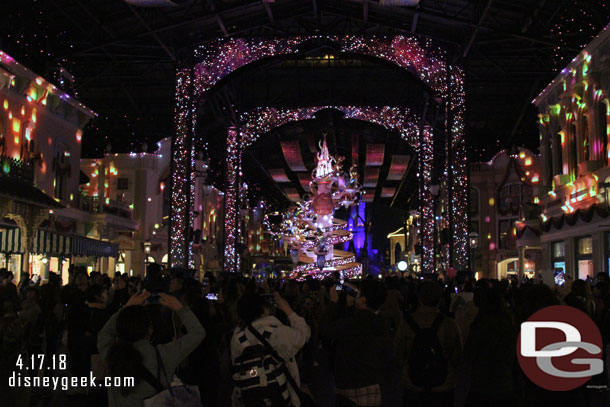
<point x="45" y="34"/>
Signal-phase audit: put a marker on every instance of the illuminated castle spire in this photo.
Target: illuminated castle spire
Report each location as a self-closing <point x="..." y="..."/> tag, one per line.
<point x="325" y="161"/>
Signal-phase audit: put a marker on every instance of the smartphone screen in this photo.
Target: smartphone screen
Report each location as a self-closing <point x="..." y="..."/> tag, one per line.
<point x="212" y="296"/>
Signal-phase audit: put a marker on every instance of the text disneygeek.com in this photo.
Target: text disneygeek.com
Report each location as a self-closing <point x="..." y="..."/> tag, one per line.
<point x="65" y="382"/>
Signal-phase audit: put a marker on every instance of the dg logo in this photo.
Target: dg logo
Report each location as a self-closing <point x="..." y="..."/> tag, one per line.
<point x="560" y="348"/>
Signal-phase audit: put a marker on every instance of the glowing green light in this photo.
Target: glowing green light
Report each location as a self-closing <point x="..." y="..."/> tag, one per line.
<point x="6" y="167"/>
<point x="555" y="109"/>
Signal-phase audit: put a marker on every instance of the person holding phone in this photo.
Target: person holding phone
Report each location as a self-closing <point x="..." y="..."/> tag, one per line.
<point x="124" y="343"/>
<point x="287" y="341"/>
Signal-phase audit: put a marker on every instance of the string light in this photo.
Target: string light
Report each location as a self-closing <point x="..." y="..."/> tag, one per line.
<point x="219" y="58"/>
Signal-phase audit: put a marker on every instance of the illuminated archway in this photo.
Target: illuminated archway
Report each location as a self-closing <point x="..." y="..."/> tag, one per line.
<point x="217" y="59"/>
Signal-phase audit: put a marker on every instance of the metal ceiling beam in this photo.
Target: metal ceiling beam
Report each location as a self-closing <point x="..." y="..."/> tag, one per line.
<point x="476" y="30"/>
<point x="269" y="12"/>
<point x="365" y="10"/>
<point x="527" y="104"/>
<point x="530" y="18"/>
<point x="436" y="17"/>
<point x="415" y="19"/>
<point x="152" y="33"/>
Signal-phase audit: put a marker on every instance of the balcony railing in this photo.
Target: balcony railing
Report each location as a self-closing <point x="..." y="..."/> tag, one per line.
<point x="91" y="204"/>
<point x="23" y="170"/>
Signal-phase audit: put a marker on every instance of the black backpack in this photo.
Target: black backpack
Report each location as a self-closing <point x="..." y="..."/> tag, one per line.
<point x="259" y="374"/>
<point x="428" y="367"/>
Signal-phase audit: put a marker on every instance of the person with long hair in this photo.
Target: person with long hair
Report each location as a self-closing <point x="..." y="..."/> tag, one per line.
<point x="124" y="343"/>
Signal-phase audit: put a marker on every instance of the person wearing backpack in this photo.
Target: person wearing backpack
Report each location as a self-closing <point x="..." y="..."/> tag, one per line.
<point x="263" y="353"/>
<point x="428" y="347"/>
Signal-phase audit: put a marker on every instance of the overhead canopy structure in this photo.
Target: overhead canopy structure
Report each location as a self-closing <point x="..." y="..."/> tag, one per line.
<point x="123" y="56"/>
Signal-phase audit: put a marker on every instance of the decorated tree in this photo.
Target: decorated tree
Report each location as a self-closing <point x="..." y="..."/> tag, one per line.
<point x="310" y="229"/>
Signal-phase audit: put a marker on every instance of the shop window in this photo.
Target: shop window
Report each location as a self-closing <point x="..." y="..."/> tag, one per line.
<point x="584" y="257"/>
<point x="585" y="245"/>
<point x="558" y="259"/>
<point x="559" y="249"/>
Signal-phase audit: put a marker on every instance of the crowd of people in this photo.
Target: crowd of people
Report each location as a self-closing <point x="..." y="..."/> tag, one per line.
<point x="228" y="340"/>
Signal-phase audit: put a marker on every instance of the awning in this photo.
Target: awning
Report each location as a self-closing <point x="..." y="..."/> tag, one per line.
<point x="83" y="246"/>
<point x="55" y="244"/>
<point x="51" y="243"/>
<point x="10" y="241"/>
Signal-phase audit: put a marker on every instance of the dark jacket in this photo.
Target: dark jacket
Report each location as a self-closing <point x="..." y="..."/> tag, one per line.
<point x="360" y="341"/>
<point x="489" y="352"/>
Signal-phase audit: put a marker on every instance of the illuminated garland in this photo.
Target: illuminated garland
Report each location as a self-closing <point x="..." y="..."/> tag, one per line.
<point x="219" y="58"/>
<point x="425" y="151"/>
<point x="180" y="176"/>
<point x="458" y="168"/>
<point x="310" y="268"/>
<point x="262" y="120"/>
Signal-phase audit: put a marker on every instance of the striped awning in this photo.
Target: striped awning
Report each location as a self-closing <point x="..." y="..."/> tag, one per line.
<point x="55" y="244"/>
<point x="10" y="241"/>
<point x="51" y="243"/>
<point x="45" y="242"/>
<point x="83" y="246"/>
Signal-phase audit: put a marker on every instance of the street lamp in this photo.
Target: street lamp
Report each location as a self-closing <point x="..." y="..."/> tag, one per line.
<point x="146" y="252"/>
<point x="474" y="244"/>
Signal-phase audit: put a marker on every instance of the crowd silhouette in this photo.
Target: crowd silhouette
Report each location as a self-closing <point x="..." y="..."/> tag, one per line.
<point x="229" y="340"/>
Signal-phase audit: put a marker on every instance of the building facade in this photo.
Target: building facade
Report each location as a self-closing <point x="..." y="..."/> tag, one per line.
<point x="503" y="195"/>
<point x="574" y="121"/>
<point x="138" y="184"/>
<point x="43" y="225"/>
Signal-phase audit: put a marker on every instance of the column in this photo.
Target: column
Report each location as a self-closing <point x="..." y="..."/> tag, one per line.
<point x="596" y="147"/>
<point x="547" y="171"/>
<point x="556" y="147"/>
<point x="521" y="262"/>
<point x="598" y="252"/>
